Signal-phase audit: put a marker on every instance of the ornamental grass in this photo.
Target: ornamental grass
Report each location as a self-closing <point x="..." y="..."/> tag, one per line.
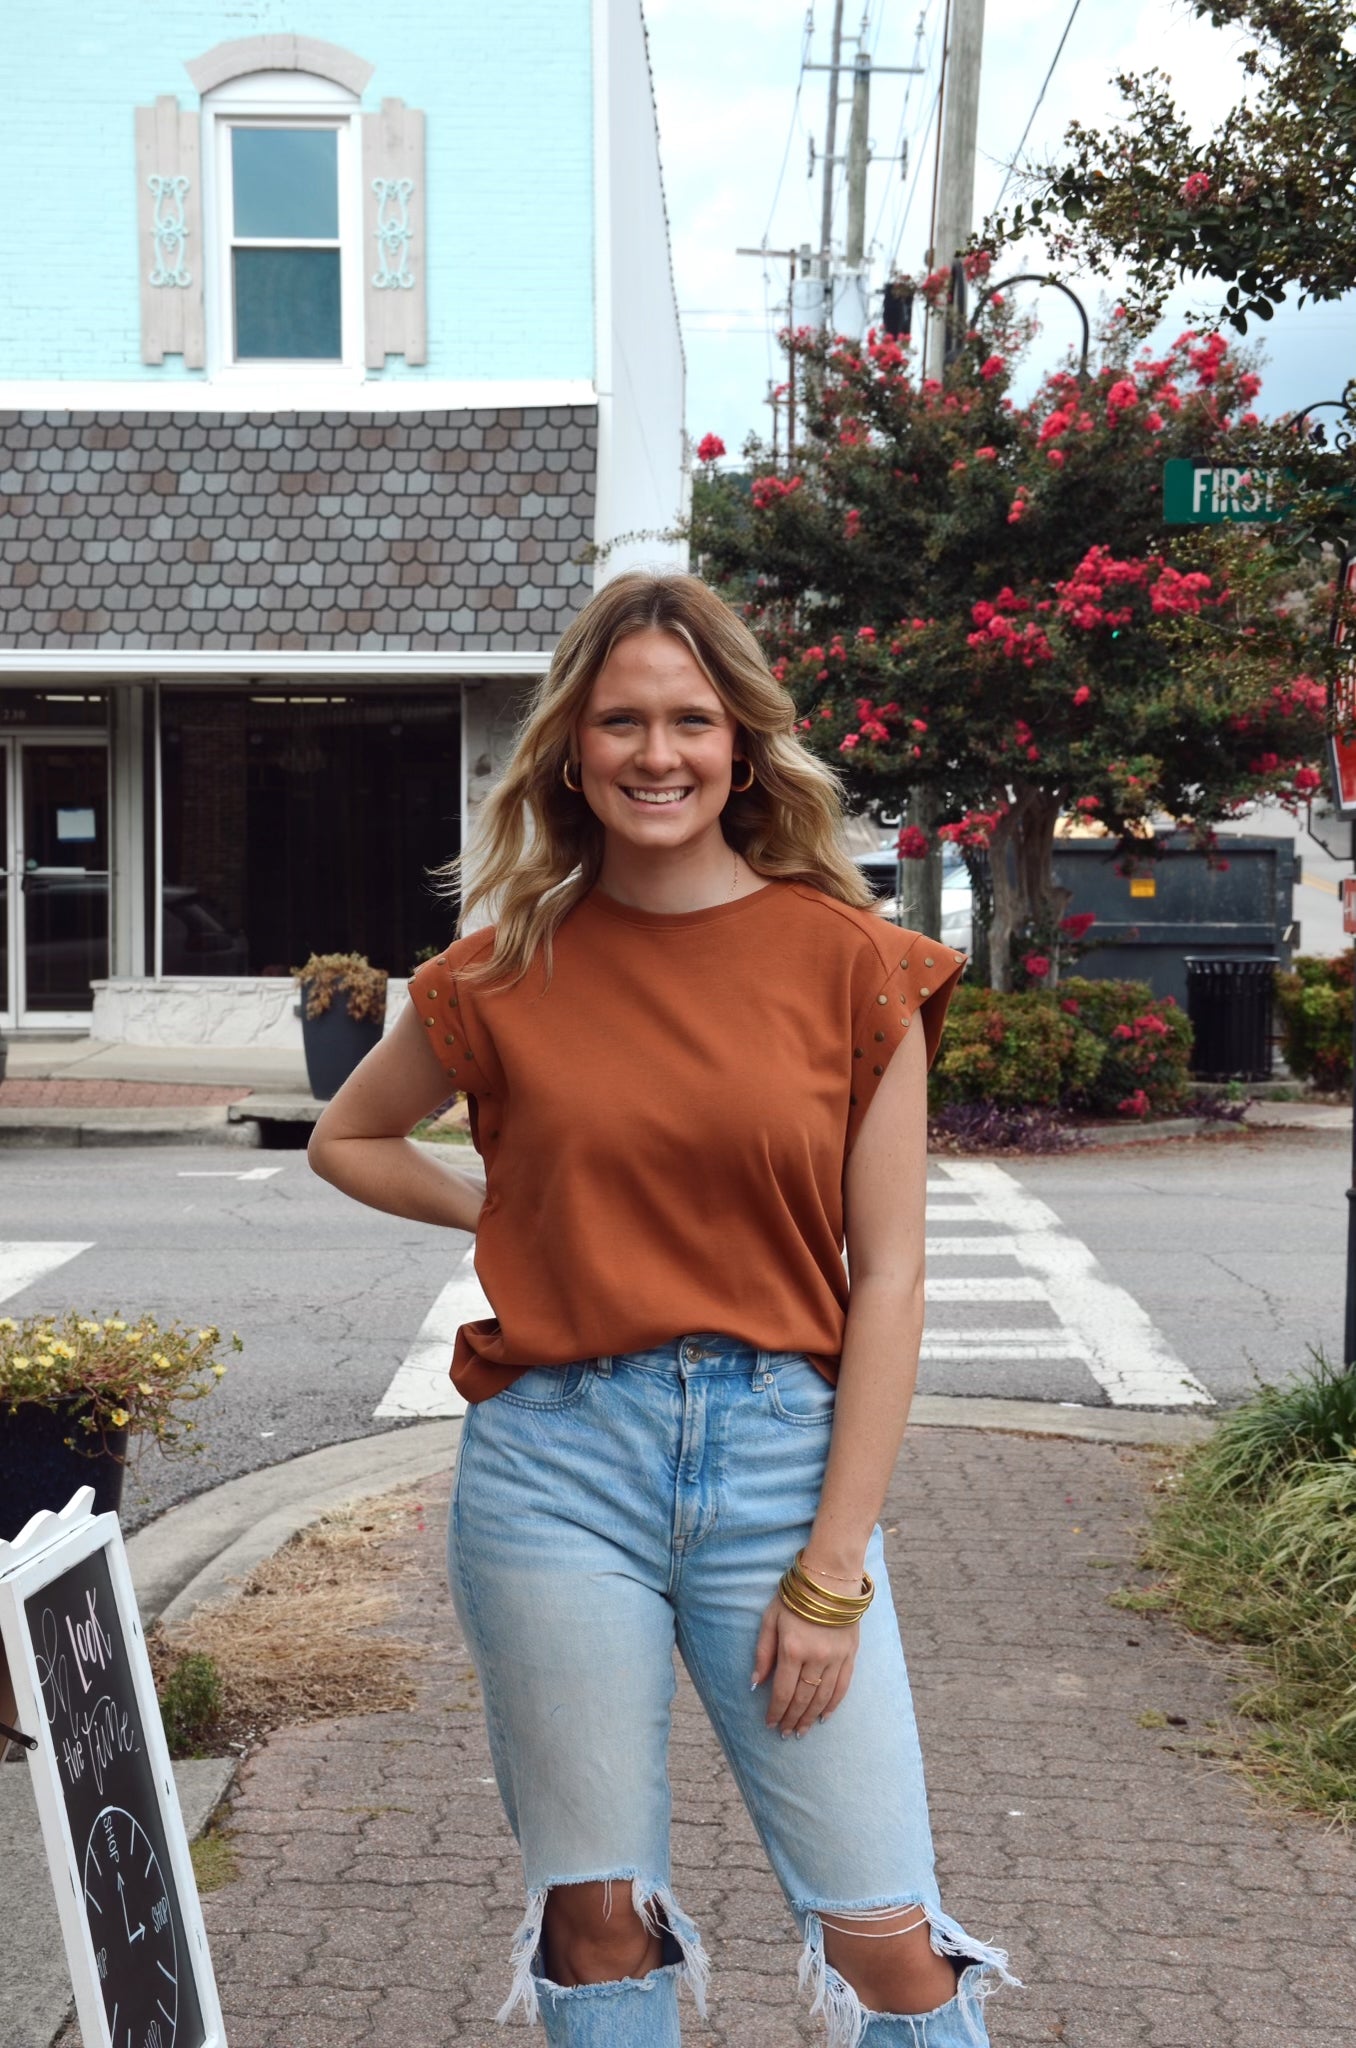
<point x="1253" y="1545"/>
<point x="111" y="1373"/>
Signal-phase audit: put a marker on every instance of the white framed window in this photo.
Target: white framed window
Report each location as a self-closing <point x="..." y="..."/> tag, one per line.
<point x="282" y="227"/>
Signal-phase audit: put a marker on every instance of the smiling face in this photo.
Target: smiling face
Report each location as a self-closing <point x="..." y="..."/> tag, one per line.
<point x="656" y="747"/>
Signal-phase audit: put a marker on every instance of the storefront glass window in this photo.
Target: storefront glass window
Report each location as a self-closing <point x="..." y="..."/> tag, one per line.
<point x="300" y="823"/>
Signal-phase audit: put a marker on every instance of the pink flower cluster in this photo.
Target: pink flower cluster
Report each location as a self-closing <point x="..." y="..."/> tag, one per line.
<point x="994" y="628"/>
<point x="1196" y="188"/>
<point x="768" y="489"/>
<point x="912" y="843"/>
<point x="975" y="829"/>
<point x="710" y="448"/>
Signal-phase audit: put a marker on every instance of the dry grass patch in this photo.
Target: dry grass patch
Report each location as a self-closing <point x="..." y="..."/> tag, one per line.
<point x="303" y="1638"/>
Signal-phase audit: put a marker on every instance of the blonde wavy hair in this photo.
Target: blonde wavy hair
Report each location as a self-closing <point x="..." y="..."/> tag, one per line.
<point x="537" y="848"/>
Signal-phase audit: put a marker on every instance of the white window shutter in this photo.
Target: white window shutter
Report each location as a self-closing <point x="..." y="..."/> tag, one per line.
<point x="393" y="253"/>
<point x="170" y="254"/>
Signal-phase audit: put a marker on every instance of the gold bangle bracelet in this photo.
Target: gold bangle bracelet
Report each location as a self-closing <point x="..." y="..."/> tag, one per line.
<point x="866" y="1591"/>
<point x="812" y="1614"/>
<point x="833" y="1603"/>
<point x="794" y="1595"/>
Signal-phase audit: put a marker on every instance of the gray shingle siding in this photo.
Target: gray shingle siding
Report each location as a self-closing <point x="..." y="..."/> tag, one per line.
<point x="465" y="530"/>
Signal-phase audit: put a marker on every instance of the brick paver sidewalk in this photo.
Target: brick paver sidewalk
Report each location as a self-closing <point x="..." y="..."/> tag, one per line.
<point x="21" y="1094"/>
<point x="1145" y="1898"/>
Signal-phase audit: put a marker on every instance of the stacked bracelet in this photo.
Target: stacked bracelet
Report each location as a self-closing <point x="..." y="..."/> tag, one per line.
<point x="813" y="1602"/>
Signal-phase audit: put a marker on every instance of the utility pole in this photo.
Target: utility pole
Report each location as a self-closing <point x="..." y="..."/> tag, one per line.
<point x="954" y="203"/>
<point x="857" y="153"/>
<point x="833" y="67"/>
<point x="790" y="256"/>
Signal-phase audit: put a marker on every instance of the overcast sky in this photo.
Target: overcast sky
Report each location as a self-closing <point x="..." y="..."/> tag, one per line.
<point x="725" y="75"/>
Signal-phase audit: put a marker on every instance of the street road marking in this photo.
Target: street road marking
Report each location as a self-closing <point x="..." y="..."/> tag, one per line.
<point x="23" y="1265"/>
<point x="227" y="1173"/>
<point x="976" y="1287"/>
<point x="1087" y="1316"/>
<point x="1102" y="1323"/>
<point x="421" y="1385"/>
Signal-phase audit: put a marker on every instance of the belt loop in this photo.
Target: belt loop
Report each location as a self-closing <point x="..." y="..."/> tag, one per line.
<point x="603" y="1368"/>
<point x="762" y="1375"/>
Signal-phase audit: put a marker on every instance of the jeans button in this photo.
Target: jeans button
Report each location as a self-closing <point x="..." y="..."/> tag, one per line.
<point x="691" y="1354"/>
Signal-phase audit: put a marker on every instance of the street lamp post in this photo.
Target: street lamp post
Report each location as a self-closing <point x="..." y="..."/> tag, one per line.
<point x="958" y="323"/>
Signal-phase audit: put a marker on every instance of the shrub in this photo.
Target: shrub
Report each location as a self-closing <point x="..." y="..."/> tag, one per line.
<point x="190" y="1704"/>
<point x="985" y="1127"/>
<point x="1104" y="1047"/>
<point x="1019" y="1051"/>
<point x="1314" y="1002"/>
<point x="1147" y="1040"/>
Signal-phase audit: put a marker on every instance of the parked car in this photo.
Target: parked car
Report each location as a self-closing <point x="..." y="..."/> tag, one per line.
<point x="881" y="869"/>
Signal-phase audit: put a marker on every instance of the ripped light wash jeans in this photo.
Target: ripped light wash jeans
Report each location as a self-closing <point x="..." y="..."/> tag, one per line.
<point x="602" y="1512"/>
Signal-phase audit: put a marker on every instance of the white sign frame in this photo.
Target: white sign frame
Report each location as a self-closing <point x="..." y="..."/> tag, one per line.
<point x="45" y="1548"/>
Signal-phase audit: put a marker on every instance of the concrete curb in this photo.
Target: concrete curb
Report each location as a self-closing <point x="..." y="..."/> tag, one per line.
<point x="114" y="1126"/>
<point x="197" y="1552"/>
<point x="237" y="1125"/>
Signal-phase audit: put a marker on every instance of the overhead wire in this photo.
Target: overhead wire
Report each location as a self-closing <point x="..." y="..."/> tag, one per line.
<point x="901" y="137"/>
<point x="806" y="36"/>
<point x="919" y="137"/>
<point x="1073" y="12"/>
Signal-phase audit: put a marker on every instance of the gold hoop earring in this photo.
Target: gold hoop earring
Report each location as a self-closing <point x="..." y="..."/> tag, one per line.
<point x="743" y="788"/>
<point x="573" y="787"/>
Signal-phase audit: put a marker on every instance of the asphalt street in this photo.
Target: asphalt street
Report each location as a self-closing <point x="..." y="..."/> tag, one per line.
<point x="1147" y="1276"/>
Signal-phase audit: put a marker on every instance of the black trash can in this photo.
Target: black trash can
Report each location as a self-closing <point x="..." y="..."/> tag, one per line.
<point x="1229" y="1004"/>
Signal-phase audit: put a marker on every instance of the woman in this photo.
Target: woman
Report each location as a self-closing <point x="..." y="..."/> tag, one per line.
<point x="692" y="1055"/>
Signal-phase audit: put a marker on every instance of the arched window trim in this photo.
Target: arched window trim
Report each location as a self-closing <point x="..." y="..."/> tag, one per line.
<point x="244" y="55"/>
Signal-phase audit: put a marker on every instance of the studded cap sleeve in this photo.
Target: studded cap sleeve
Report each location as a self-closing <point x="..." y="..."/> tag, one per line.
<point x="895" y="995"/>
<point x="446" y="1010"/>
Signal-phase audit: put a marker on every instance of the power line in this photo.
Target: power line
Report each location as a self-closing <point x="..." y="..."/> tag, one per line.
<point x="900" y="140"/>
<point x="1039" y="97"/>
<point x="807" y="34"/>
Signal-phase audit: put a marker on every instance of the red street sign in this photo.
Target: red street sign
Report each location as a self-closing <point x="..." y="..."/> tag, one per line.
<point x="1342" y="744"/>
<point x="1349" y="903"/>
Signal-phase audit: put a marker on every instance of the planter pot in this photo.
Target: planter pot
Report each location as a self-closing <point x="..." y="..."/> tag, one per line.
<point x="39" y="1469"/>
<point x="335" y="1044"/>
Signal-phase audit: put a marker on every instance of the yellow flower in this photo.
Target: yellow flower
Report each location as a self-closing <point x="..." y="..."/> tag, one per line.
<point x="62" y="1349"/>
<point x="23" y="1363"/>
<point x="159" y="1359"/>
<point x="219" y="1372"/>
<point x="144" y="1387"/>
<point x="119" y="1418"/>
<point x="8" y="1323"/>
<point x="135" y="1336"/>
<point x="90" y="1329"/>
<point x="208" y="1336"/>
<point x="114" y="1323"/>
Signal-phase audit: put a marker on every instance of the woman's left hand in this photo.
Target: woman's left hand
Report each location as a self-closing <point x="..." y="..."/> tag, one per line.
<point x="810" y="1666"/>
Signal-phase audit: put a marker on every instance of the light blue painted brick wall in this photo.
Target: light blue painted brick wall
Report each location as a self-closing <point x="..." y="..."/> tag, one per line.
<point x="506" y="89"/>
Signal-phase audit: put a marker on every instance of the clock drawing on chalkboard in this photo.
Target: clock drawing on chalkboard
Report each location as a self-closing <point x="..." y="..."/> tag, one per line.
<point x="128" y="1908"/>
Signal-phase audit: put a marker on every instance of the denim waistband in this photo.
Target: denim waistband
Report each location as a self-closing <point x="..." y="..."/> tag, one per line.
<point x="697" y="1354"/>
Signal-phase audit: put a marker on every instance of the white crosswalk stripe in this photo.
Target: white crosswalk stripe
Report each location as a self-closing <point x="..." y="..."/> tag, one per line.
<point x="24" y="1264"/>
<point x="1081" y="1313"/>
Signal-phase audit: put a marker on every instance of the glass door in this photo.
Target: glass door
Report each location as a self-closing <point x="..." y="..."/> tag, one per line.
<point x="62" y="872"/>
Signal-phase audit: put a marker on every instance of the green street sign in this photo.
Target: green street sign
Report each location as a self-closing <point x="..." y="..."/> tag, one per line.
<point x="1201" y="493"/>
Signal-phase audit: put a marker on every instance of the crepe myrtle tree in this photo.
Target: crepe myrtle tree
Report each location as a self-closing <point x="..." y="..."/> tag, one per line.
<point x="1258" y="207"/>
<point x="978" y="599"/>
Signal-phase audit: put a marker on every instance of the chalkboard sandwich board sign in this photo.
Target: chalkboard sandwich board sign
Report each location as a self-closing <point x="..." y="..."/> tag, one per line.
<point x="83" y="1701"/>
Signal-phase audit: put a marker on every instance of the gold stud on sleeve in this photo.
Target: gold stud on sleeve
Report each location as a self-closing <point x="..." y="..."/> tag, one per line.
<point x="925" y="991"/>
<point x="882" y="999"/>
